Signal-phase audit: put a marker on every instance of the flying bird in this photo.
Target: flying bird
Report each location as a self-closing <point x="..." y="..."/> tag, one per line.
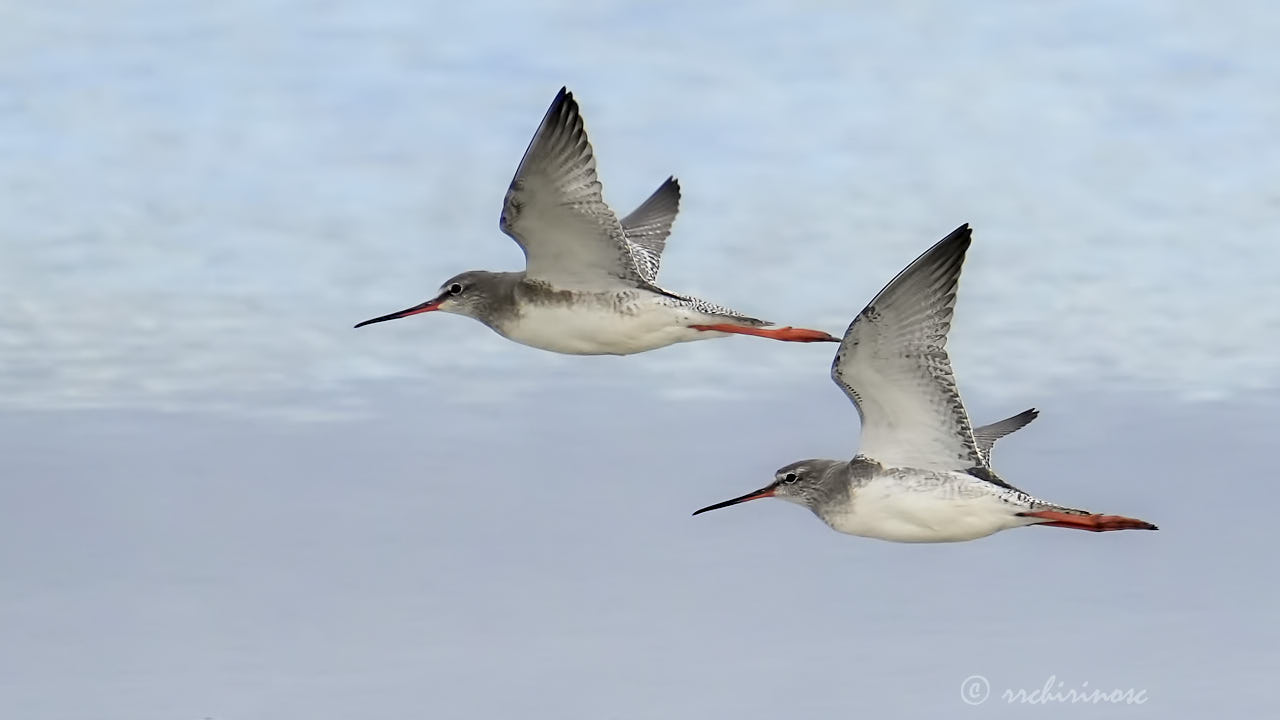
<point x="589" y="286"/>
<point x="921" y="473"/>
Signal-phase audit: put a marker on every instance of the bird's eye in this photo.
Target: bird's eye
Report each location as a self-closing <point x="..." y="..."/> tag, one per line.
<point x="790" y="478"/>
<point x="455" y="289"/>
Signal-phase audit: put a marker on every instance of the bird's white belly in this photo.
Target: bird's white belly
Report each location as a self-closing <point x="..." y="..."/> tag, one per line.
<point x="599" y="329"/>
<point x="888" y="510"/>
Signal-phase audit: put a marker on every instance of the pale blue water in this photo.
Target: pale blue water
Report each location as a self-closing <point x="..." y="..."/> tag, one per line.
<point x="199" y="200"/>
<point x="423" y="565"/>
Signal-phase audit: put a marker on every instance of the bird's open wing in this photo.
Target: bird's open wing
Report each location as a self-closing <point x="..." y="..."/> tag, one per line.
<point x="555" y="211"/>
<point x="648" y="226"/>
<point x="987" y="435"/>
<point x="893" y="364"/>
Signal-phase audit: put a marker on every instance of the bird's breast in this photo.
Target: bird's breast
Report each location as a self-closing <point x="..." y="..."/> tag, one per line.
<point x="619" y="322"/>
<point x="912" y="506"/>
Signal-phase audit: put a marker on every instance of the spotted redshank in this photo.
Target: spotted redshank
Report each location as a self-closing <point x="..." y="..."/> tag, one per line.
<point x="590" y="281"/>
<point x="921" y="475"/>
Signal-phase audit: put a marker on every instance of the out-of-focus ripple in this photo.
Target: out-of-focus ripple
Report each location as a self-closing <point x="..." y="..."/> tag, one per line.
<point x="199" y="202"/>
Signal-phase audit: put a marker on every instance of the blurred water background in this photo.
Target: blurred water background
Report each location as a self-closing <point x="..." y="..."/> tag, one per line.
<point x="221" y="501"/>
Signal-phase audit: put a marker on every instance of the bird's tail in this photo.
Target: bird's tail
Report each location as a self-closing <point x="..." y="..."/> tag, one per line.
<point x="1082" y="520"/>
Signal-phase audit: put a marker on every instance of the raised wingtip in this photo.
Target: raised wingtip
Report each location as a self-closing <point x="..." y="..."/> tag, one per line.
<point x="952" y="248"/>
<point x="563" y="99"/>
<point x="671" y="187"/>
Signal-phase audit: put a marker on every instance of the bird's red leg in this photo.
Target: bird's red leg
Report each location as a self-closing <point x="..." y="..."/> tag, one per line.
<point x="1092" y="523"/>
<point x="786" y="334"/>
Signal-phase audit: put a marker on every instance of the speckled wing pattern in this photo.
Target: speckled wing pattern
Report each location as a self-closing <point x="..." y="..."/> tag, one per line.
<point x="647" y="227"/>
<point x="711" y="308"/>
<point x="555" y="211"/>
<point x="894" y="365"/>
<point x="987" y="435"/>
<point x="646" y="230"/>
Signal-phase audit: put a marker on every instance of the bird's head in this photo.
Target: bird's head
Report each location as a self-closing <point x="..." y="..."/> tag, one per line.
<point x="467" y="293"/>
<point x="803" y="483"/>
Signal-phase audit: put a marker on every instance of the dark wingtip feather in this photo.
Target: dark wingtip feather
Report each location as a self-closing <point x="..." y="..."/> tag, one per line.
<point x="1025" y="416"/>
<point x="563" y="107"/>
<point x="563" y="102"/>
<point x="961" y="237"/>
<point x="669" y="188"/>
<point x="674" y="184"/>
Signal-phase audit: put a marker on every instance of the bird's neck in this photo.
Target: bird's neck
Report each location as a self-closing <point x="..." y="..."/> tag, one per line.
<point x="833" y="487"/>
